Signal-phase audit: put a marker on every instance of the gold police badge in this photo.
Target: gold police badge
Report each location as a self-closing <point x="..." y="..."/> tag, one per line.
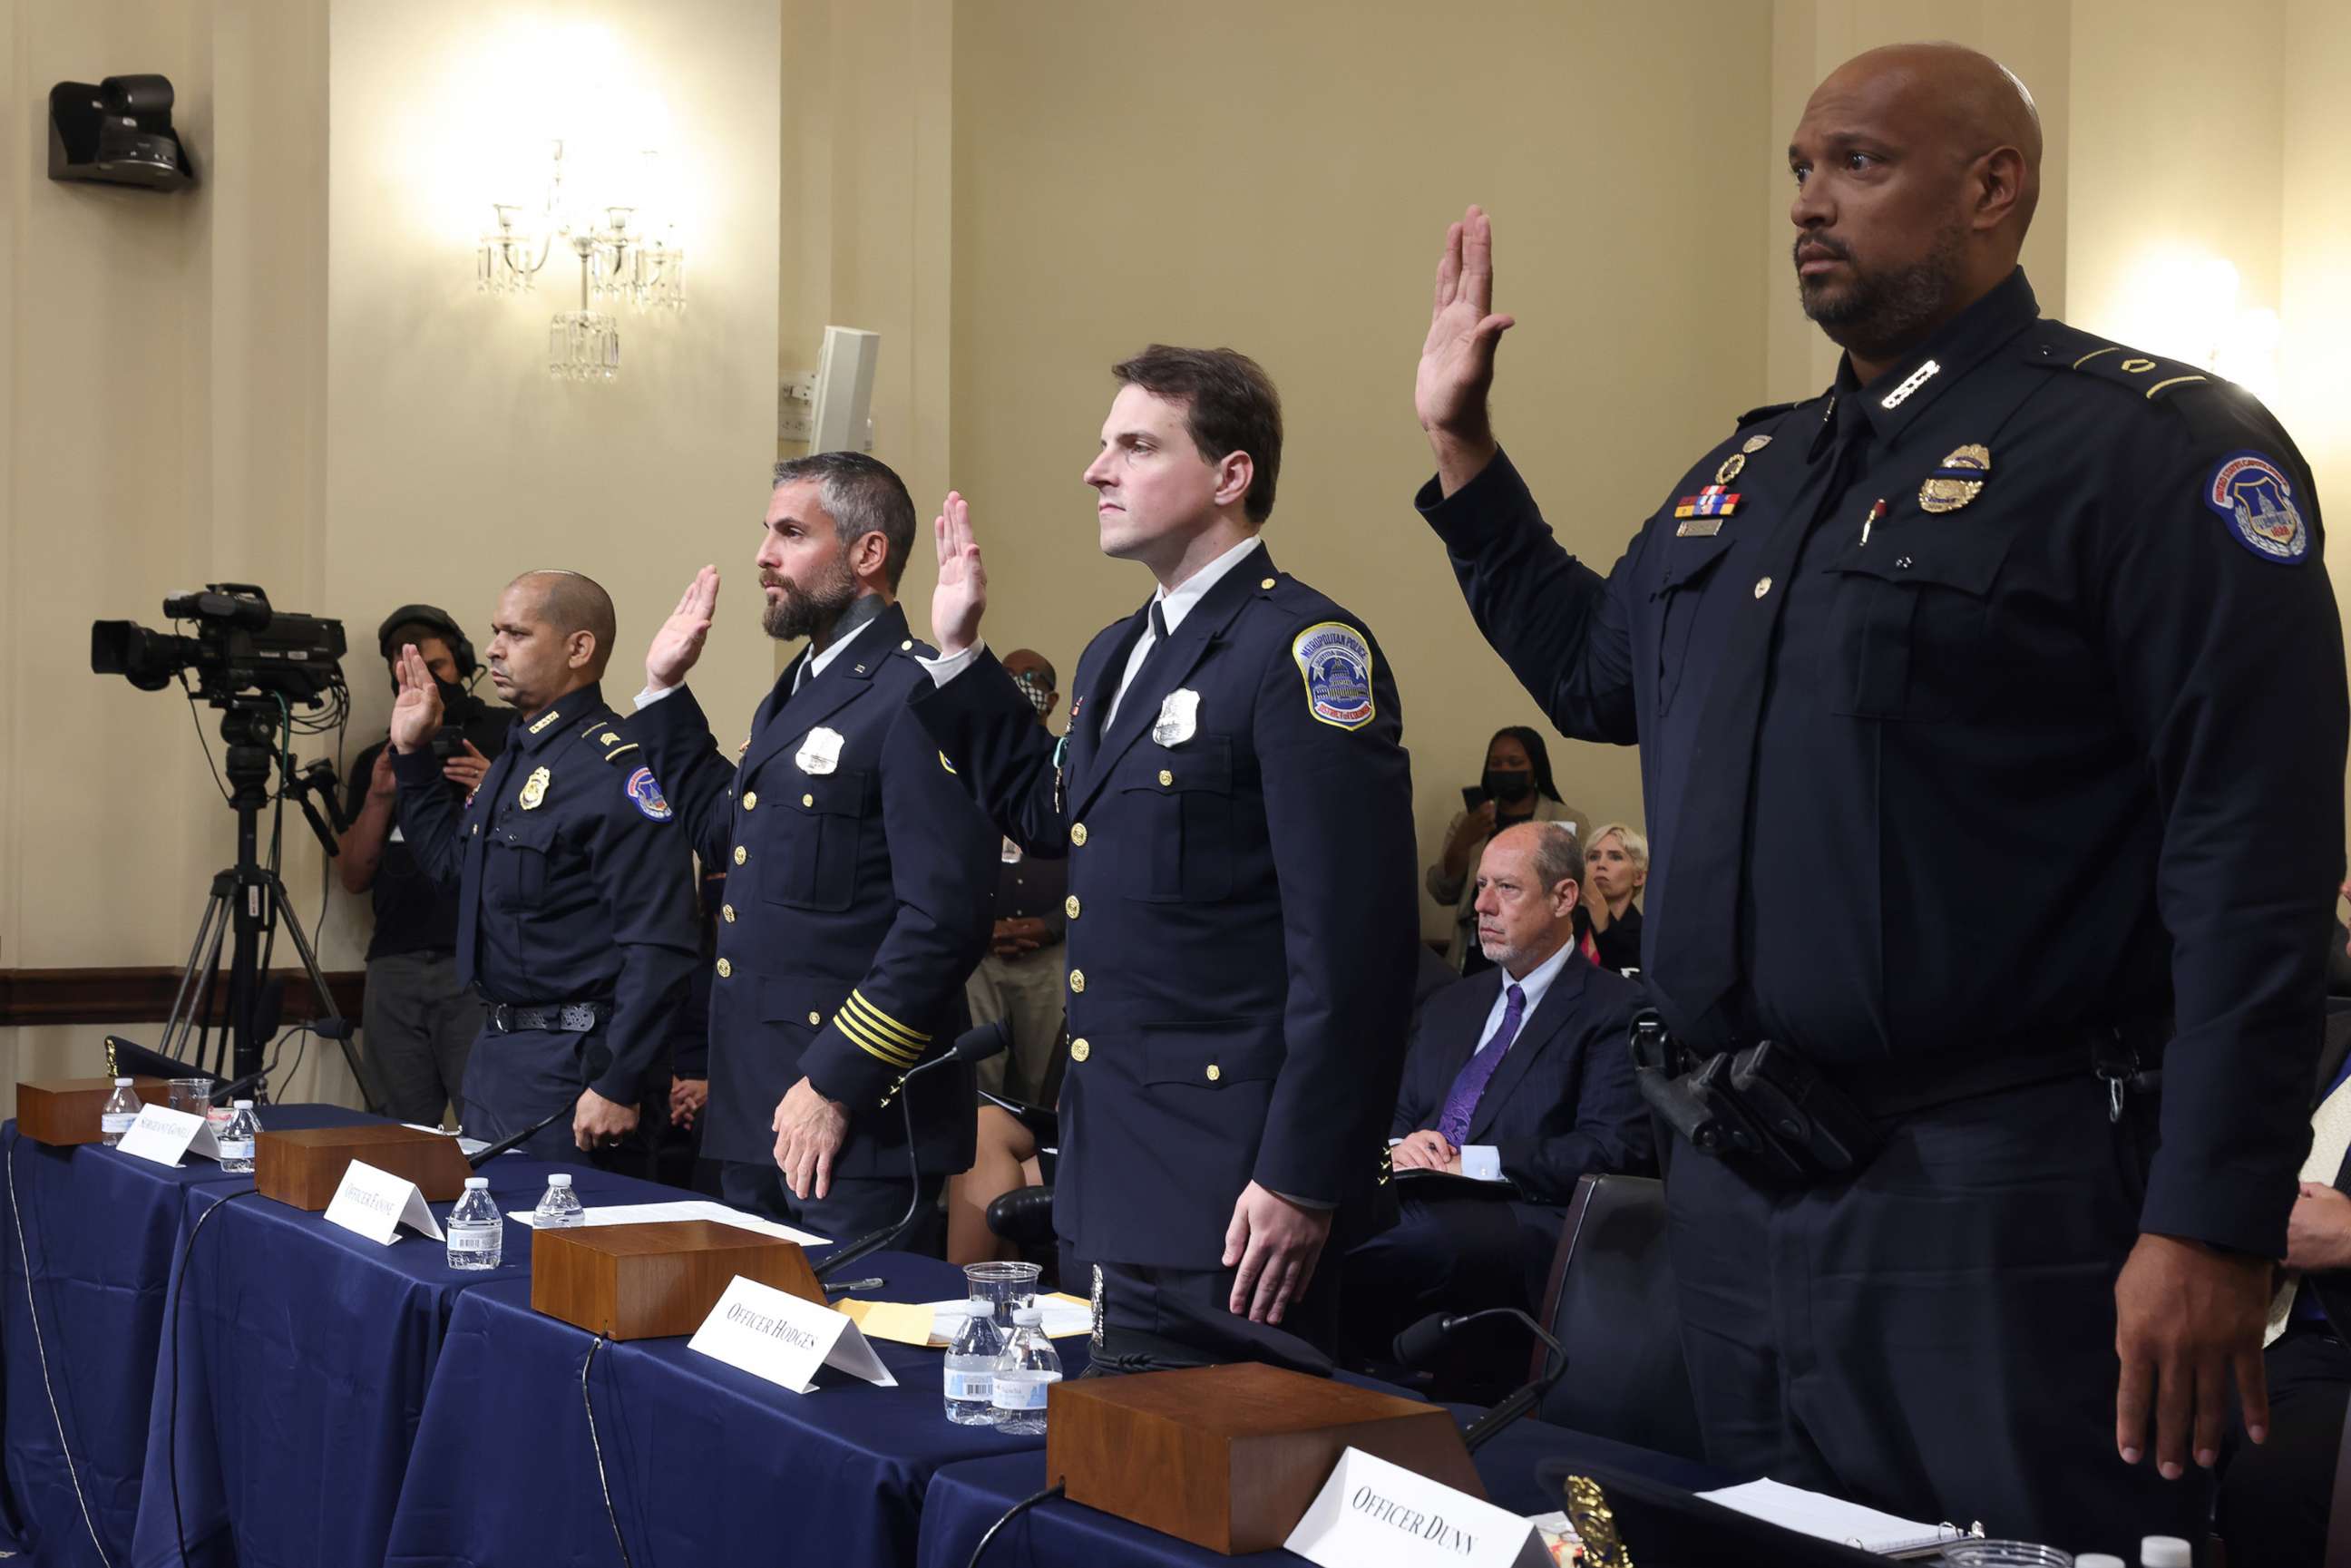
<point x="533" y="790"/>
<point x="1958" y="481"/>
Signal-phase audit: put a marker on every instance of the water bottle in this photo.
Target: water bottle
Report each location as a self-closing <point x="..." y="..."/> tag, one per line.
<point x="560" y="1209"/>
<point x="1028" y="1366"/>
<point x="121" y="1110"/>
<point x="971" y="1365"/>
<point x="235" y="1145"/>
<point x="476" y="1230"/>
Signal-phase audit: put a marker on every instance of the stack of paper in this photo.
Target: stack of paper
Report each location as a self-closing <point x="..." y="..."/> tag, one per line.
<point x="933" y="1323"/>
<point x="1831" y="1519"/>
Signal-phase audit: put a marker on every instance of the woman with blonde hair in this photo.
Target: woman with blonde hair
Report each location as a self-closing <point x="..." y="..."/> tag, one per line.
<point x="1608" y="919"/>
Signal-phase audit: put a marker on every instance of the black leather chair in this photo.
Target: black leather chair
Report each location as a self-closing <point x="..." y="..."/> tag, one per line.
<point x="1611" y="1302"/>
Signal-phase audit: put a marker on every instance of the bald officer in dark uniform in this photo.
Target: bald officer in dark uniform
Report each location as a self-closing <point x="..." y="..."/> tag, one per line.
<point x="1991" y="716"/>
<point x="575" y="884"/>
<point x="859" y="874"/>
<point x="1234" y="802"/>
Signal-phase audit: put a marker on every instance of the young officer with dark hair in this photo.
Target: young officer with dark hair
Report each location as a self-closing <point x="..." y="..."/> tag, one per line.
<point x="575" y="889"/>
<point x="858" y="875"/>
<point x="1234" y="802"/>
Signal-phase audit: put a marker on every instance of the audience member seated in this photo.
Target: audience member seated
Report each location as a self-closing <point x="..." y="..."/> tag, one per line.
<point x="1004" y="1159"/>
<point x="2275" y="1497"/>
<point x="1608" y="921"/>
<point x="1020" y="977"/>
<point x="1521" y="1073"/>
<point x="1516" y="787"/>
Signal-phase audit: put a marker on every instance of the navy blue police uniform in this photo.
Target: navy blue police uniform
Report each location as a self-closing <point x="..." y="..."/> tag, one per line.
<point x="575" y="914"/>
<point x="1992" y="720"/>
<point x="1241" y="917"/>
<point x="858" y="881"/>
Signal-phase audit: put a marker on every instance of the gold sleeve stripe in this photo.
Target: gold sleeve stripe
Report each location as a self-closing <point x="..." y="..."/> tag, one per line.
<point x="896" y="1056"/>
<point x="884" y="1023"/>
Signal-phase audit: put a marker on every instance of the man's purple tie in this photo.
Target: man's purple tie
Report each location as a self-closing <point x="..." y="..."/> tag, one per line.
<point x="1461" y="1103"/>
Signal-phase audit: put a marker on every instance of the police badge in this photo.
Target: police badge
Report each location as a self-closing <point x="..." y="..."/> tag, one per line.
<point x="533" y="790"/>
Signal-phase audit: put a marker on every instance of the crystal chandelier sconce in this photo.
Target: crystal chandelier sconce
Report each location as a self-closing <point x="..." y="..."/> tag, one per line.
<point x="624" y="265"/>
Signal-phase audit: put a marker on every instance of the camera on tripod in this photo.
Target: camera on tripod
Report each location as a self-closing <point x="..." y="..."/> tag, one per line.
<point x="240" y="644"/>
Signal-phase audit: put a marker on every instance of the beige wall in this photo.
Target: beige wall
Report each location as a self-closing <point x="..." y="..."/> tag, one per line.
<point x="1279" y="178"/>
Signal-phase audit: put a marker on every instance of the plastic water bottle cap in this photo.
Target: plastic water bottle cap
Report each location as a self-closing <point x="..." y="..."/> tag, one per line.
<point x="2164" y="1552"/>
<point x="981" y="1304"/>
<point x="2098" y="1560"/>
<point x="560" y="1179"/>
<point x="244" y="1105"/>
<point x="122" y="1083"/>
<point x="477" y="1182"/>
<point x="1028" y="1317"/>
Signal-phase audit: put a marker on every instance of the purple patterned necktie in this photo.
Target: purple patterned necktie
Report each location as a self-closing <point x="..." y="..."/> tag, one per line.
<point x="1461" y="1103"/>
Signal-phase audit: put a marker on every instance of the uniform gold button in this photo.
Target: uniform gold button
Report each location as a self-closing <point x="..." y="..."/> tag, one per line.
<point x="741" y="855"/>
<point x="750" y="798"/>
<point x="1076" y="979"/>
<point x="1080" y="1050"/>
<point x="1165" y="777"/>
<point x="815" y="1018"/>
<point x="1762" y="585"/>
<point x="725" y="969"/>
<point x="808" y="799"/>
<point x="1078" y="834"/>
<point x="1214" y="1073"/>
<point x="1266" y="584"/>
<point x="729" y="911"/>
<point x="1070" y="906"/>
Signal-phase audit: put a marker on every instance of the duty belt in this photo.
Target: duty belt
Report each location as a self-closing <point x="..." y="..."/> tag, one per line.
<point x="575" y="1018"/>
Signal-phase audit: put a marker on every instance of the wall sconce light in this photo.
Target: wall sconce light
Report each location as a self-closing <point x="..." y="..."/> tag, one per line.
<point x="621" y="263"/>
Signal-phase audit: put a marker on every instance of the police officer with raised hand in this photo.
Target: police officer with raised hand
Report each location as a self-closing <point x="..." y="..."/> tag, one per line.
<point x="1235" y="804"/>
<point x="2009" y="609"/>
<point x="575" y="913"/>
<point x="859" y="874"/>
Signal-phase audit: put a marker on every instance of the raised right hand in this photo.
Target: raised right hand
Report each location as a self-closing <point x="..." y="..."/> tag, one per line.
<point x="1457" y="360"/>
<point x="961" y="597"/>
<point x="416" y="711"/>
<point x="678" y="644"/>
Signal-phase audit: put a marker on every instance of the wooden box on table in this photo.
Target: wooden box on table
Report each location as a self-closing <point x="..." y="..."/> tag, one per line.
<point x="67" y="1110"/>
<point x="303" y="1167"/>
<point x="647" y="1282"/>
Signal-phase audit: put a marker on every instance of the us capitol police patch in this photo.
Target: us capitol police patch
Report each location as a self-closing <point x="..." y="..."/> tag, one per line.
<point x="2257" y="500"/>
<point x="647" y="794"/>
<point x="1336" y="663"/>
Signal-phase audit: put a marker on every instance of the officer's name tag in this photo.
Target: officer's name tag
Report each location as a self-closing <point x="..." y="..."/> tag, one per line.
<point x="820" y="752"/>
<point x="163" y="1134"/>
<point x="375" y="1204"/>
<point x="1373" y="1512"/>
<point x="1179" y="717"/>
<point x="768" y="1334"/>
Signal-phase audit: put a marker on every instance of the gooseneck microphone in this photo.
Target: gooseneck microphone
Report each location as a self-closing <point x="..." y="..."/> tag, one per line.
<point x="477" y="1161"/>
<point x="1418" y="1345"/>
<point x="971" y="1046"/>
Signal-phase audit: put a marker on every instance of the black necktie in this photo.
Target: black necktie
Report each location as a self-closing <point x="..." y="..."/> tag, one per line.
<point x="1695" y="962"/>
<point x="1150" y="657"/>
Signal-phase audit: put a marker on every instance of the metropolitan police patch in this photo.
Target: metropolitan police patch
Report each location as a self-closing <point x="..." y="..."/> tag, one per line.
<point x="1337" y="665"/>
<point x="648" y="796"/>
<point x="2255" y="497"/>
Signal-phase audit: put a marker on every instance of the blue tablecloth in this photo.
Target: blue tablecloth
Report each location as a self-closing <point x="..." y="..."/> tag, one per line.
<point x="98" y="1229"/>
<point x="965" y="1498"/>
<point x="706" y="1464"/>
<point x="301" y="1353"/>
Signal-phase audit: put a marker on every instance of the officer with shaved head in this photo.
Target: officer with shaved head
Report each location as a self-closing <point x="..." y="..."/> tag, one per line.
<point x="1956" y="686"/>
<point x="575" y="904"/>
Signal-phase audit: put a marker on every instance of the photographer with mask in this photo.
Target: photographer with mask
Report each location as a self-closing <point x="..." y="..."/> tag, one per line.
<point x="1515" y="788"/>
<point x="416" y="1022"/>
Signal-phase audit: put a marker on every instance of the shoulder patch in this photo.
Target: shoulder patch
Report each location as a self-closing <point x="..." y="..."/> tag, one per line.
<point x="1335" y="663"/>
<point x="2252" y="495"/>
<point x="647" y="795"/>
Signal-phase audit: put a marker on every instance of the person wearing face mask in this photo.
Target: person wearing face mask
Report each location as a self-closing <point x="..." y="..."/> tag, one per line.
<point x="1515" y="788"/>
<point x="1020" y="977"/>
<point x="417" y="1022"/>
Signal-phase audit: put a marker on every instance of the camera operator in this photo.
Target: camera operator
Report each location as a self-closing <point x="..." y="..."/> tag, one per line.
<point x="418" y="1021"/>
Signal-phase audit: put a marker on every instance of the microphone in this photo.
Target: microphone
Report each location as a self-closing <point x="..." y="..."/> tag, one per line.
<point x="972" y="1045"/>
<point x="1420" y="1344"/>
<point x="476" y="1162"/>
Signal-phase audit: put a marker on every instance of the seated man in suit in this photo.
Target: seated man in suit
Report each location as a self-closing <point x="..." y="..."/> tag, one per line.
<point x="1523" y="1071"/>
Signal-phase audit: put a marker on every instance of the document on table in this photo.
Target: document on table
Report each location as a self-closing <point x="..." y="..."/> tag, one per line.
<point x="1827" y="1517"/>
<point x="933" y="1324"/>
<point x="673" y="1213"/>
<point x="467" y="1146"/>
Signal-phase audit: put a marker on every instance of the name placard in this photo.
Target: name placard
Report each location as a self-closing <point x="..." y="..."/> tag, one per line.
<point x="375" y="1204"/>
<point x="1373" y="1512"/>
<point x="783" y="1339"/>
<point x="163" y="1134"/>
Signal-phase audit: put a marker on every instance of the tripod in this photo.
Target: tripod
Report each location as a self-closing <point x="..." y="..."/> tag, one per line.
<point x="247" y="901"/>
